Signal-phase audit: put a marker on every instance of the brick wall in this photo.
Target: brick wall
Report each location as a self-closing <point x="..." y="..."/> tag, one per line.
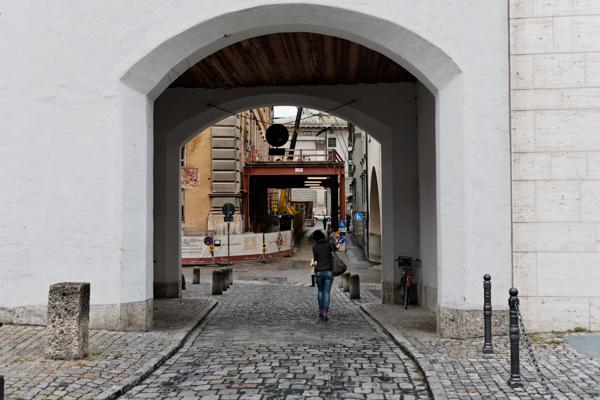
<point x="555" y="103"/>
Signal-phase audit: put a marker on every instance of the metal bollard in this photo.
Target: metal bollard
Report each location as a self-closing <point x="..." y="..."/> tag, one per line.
<point x="182" y="282"/>
<point x="487" y="315"/>
<point x="217" y="282"/>
<point x="1" y="387"/>
<point x="515" y="375"/>
<point x="196" y="275"/>
<point x="354" y="283"/>
<point x="346" y="281"/>
<point x="224" y="279"/>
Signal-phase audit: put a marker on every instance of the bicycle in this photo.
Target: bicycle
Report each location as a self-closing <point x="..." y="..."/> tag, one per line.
<point x="408" y="265"/>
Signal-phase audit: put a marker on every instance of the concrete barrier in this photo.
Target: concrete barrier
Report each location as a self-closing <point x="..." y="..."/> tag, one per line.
<point x="346" y="281"/>
<point x="67" y="331"/>
<point x="196" y="275"/>
<point x="354" y="283"/>
<point x="217" y="282"/>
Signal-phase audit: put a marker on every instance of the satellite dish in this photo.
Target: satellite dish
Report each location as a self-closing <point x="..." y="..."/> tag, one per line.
<point x="277" y="135"/>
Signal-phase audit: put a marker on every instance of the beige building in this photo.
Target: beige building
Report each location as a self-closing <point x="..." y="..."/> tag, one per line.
<point x="211" y="166"/>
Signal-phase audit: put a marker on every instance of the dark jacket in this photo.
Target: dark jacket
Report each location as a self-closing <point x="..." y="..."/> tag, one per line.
<point x="322" y="253"/>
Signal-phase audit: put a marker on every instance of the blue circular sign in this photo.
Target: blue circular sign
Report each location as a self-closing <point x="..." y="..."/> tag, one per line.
<point x="358" y="216"/>
<point x="341" y="239"/>
<point x="342" y="224"/>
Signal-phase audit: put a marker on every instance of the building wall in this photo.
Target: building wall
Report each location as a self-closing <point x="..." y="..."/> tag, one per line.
<point x="196" y="199"/>
<point x="555" y="116"/>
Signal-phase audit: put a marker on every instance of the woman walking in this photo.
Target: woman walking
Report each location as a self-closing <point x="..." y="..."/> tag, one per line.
<point x="323" y="261"/>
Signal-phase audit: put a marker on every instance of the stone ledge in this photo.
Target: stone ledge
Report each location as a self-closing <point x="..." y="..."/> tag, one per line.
<point x="465" y="324"/>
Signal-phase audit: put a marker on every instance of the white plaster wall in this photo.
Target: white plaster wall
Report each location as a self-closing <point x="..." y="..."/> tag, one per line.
<point x="76" y="99"/>
<point x="555" y="82"/>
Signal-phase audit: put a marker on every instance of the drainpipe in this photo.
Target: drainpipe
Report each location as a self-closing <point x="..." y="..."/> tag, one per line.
<point x="368" y="192"/>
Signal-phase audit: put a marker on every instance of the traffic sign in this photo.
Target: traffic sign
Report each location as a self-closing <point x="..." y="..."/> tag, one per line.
<point x="342" y="224"/>
<point x="208" y="240"/>
<point x="228" y="211"/>
<point x="358" y="216"/>
<point x="341" y="239"/>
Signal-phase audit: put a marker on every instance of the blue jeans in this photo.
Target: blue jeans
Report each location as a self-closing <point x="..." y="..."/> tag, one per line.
<point x="324" y="281"/>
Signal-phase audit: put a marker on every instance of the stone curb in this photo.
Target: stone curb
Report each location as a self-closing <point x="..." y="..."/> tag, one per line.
<point x="177" y="343"/>
<point x="434" y="385"/>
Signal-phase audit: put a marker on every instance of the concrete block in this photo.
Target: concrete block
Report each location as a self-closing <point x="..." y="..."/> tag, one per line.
<point x="569" y="165"/>
<point x="520" y="8"/>
<point x="593" y="68"/>
<point x="536" y="99"/>
<point x="523" y="131"/>
<point x="577" y="33"/>
<point x="545" y="314"/>
<point x="557" y="201"/>
<point x="531" y="166"/>
<point x="559" y="70"/>
<point x="224" y="154"/>
<point x="523" y="195"/>
<point x="531" y="237"/>
<point x="590" y="201"/>
<point x="67" y="331"/>
<point x="525" y="273"/>
<point x="522" y="72"/>
<point x="217" y="282"/>
<point x="567" y="130"/>
<point x="531" y="35"/>
<point x="568" y="274"/>
<point x="593" y="165"/>
<point x="196" y="273"/>
<point x="354" y="286"/>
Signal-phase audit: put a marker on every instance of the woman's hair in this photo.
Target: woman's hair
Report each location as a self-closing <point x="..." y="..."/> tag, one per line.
<point x="318" y="236"/>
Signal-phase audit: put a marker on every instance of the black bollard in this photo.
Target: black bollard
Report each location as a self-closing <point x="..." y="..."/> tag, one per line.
<point x="515" y="371"/>
<point x="182" y="282"/>
<point x="1" y="387"/>
<point x="217" y="282"/>
<point x="487" y="315"/>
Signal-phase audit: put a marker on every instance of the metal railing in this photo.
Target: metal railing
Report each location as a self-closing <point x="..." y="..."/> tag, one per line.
<point x="299" y="155"/>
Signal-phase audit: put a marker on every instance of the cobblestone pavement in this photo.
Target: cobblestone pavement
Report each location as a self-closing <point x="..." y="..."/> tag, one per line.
<point x="114" y="357"/>
<point x="264" y="341"/>
<point x="463" y="373"/>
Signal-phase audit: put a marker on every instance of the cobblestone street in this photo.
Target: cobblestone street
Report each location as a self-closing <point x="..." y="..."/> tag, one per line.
<point x="264" y="341"/>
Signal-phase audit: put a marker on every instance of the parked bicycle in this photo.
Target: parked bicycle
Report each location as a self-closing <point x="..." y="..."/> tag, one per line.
<point x="409" y="266"/>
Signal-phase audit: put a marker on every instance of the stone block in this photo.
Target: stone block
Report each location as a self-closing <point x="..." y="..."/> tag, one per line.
<point x="354" y="286"/>
<point x="217" y="282"/>
<point x="568" y="274"/>
<point x="196" y="273"/>
<point x="525" y="273"/>
<point x="225" y="187"/>
<point x="545" y="314"/>
<point x="224" y="154"/>
<point x="550" y="8"/>
<point x="580" y="98"/>
<point x="67" y="331"/>
<point x="521" y="72"/>
<point x="531" y="166"/>
<point x="523" y="131"/>
<point x="225" y="280"/>
<point x="593" y="165"/>
<point x="531" y="35"/>
<point x="224" y="142"/>
<point x="593" y="68"/>
<point x="590" y="201"/>
<point x="538" y="99"/>
<point x="577" y="34"/>
<point x="462" y="324"/>
<point x="569" y="165"/>
<point x="532" y="237"/>
<point x="567" y="130"/>
<point x="559" y="70"/>
<point x="346" y="281"/>
<point x="557" y="201"/>
<point x="224" y="131"/>
<point x="520" y="8"/>
<point x="224" y="165"/>
<point x="225" y="176"/>
<point x="523" y="195"/>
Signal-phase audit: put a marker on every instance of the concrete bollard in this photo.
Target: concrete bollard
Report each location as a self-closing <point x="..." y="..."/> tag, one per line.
<point x="196" y="275"/>
<point x="217" y="282"/>
<point x="354" y="283"/>
<point x="67" y="331"/>
<point x="346" y="281"/>
<point x="225" y="284"/>
<point x="182" y="282"/>
<point x="341" y="281"/>
<point x="230" y="275"/>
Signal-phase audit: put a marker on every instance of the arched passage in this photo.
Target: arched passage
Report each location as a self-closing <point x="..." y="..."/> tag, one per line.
<point x="459" y="200"/>
<point x="374" y="219"/>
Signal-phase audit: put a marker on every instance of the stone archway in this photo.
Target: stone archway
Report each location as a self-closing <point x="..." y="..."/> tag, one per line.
<point x="460" y="197"/>
<point x="374" y="218"/>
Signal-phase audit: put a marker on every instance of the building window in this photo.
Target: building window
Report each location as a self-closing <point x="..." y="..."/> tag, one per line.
<point x="331" y="142"/>
<point x="182" y="157"/>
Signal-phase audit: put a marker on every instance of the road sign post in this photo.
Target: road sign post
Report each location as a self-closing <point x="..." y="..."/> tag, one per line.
<point x="228" y="211"/>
